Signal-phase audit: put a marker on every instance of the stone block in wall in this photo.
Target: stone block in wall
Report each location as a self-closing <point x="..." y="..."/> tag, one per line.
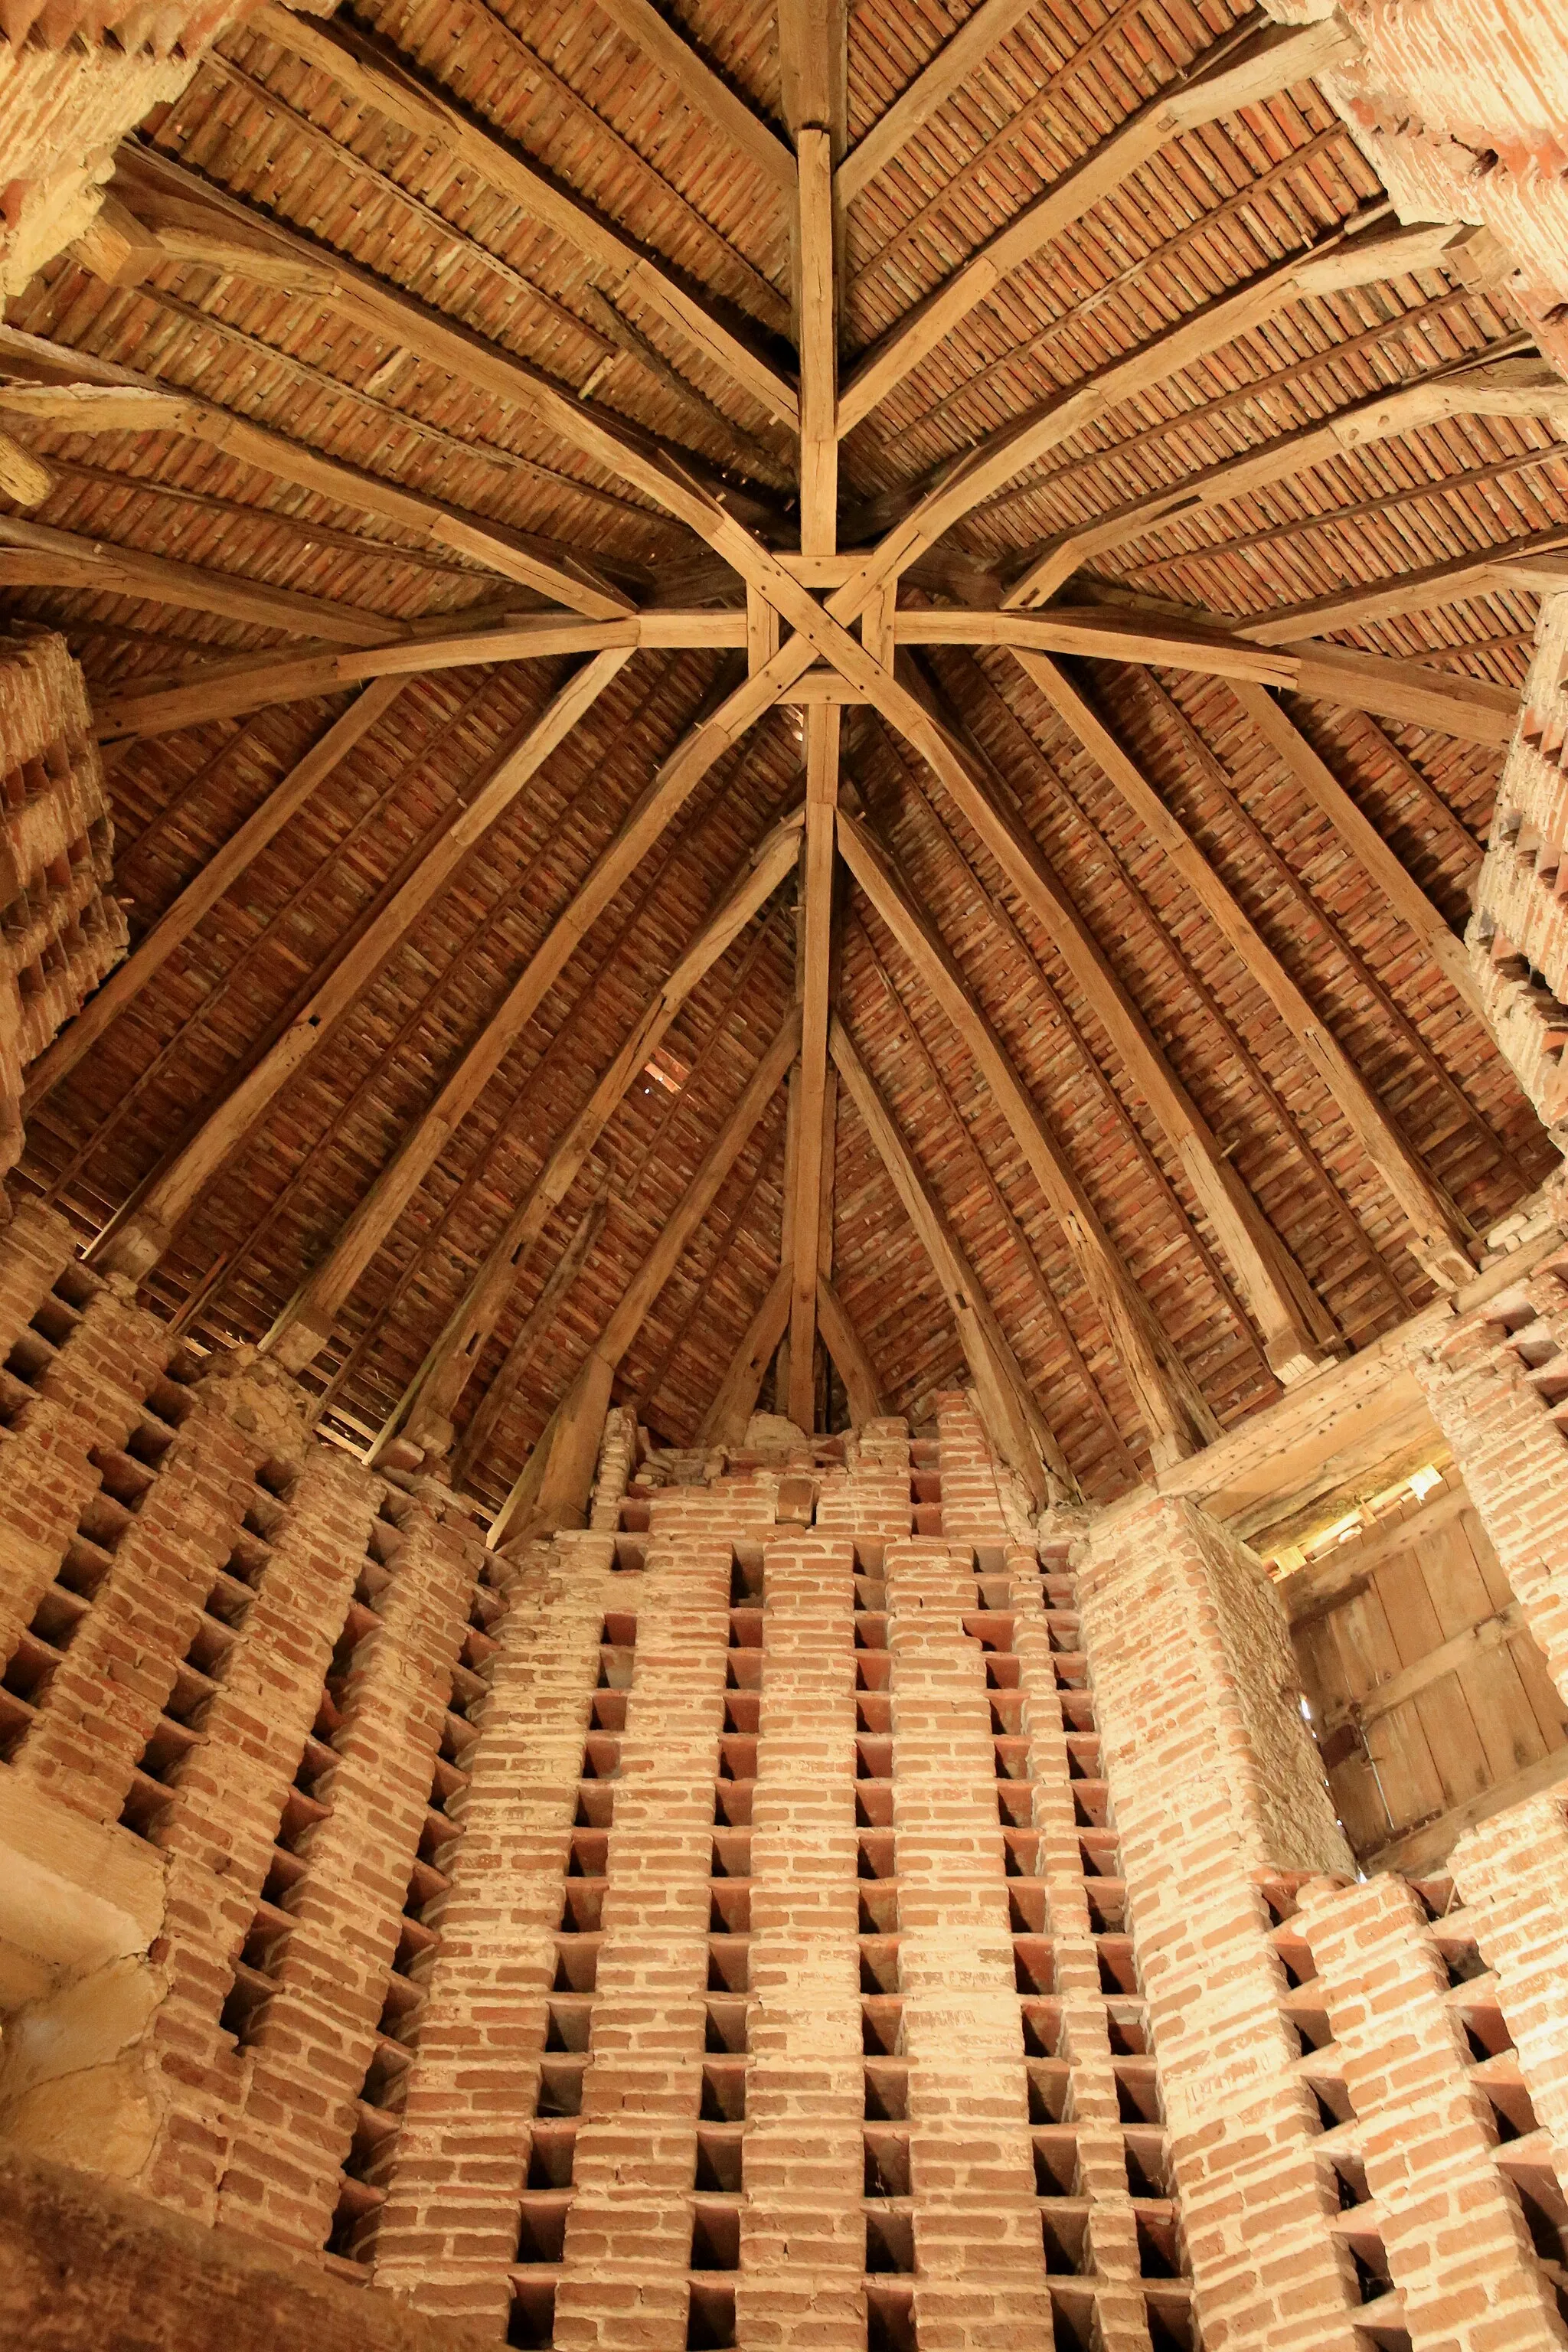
<point x="61" y="928"/>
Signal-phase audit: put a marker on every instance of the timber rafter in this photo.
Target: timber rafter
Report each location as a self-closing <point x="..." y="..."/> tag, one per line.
<point x="473" y="356"/>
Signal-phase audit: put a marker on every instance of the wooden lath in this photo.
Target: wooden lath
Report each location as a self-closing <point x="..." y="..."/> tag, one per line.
<point x="553" y="1489"/>
<point x="359" y="63"/>
<point x="1171" y="1407"/>
<point x="1279" y="57"/>
<point x="131" y="1246"/>
<point x="1506" y="388"/>
<point x="1293" y="1326"/>
<point x="1009" y="1407"/>
<point x="1439" y="1233"/>
<point x="426" y="1406"/>
<point x="105" y="399"/>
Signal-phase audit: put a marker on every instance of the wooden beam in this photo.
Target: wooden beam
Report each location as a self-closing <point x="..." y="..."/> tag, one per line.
<point x="819" y="348"/>
<point x="673" y="479"/>
<point x="1446" y="1659"/>
<point x="218" y="874"/>
<point x="1126" y="631"/>
<point x="855" y="1369"/>
<point x="1274" y="1292"/>
<point x="117" y="400"/>
<point x="226" y="690"/>
<point x="725" y="1421"/>
<point x="1008" y="1406"/>
<point x="427" y="1405"/>
<point x="132" y="1244"/>
<point x="1507" y="388"/>
<point x="1363" y="841"/>
<point x="1358" y="607"/>
<point x="704" y="90"/>
<point x="24" y="479"/>
<point x="816" y="861"/>
<point x="624" y="268"/>
<point x="1438" y="1235"/>
<point x="42" y="557"/>
<point x="553" y="1489"/>
<point x="1343" y="262"/>
<point x="303" y="1327"/>
<point x="1406" y="691"/>
<point x="959" y="56"/>
<point x="1061" y="1329"/>
<point x="1170" y="1403"/>
<point x="507" y="1380"/>
<point x="1278" y="58"/>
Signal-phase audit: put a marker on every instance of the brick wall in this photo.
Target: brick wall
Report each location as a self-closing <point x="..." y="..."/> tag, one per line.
<point x="1432" y="2210"/>
<point x="61" y="930"/>
<point x="1498" y="1386"/>
<point x="1518" y="936"/>
<point x="802" y="1910"/>
<point x="1461" y="108"/>
<point x="1221" y="1809"/>
<point x="76" y="78"/>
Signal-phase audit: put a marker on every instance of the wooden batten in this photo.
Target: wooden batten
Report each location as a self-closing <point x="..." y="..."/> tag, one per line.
<point x="1011" y="1411"/>
<point x="552" y="1490"/>
<point x="137" y="1243"/>
<point x="1438" y="1235"/>
<point x="1173" y="1410"/>
<point x="426" y="1406"/>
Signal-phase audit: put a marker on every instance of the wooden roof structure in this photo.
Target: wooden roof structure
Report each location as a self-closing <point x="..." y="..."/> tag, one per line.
<point x="770" y="670"/>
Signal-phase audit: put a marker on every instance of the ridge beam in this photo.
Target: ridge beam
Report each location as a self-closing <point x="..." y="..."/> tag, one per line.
<point x="1439" y="1234"/>
<point x="1277" y="59"/>
<point x="1172" y="1406"/>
